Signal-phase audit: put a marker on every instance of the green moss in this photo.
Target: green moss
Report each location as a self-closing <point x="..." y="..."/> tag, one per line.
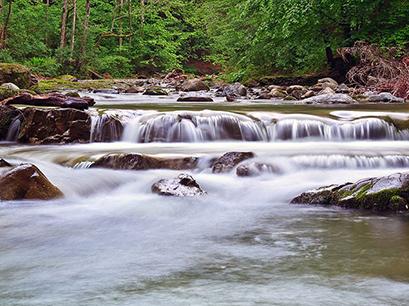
<point x="67" y="83"/>
<point x="380" y="200"/>
<point x="15" y="73"/>
<point x="360" y="194"/>
<point x="7" y="93"/>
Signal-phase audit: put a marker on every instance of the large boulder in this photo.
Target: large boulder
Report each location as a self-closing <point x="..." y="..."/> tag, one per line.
<point x="8" y="115"/>
<point x="52" y="99"/>
<point x="27" y="182"/>
<point x="46" y="126"/>
<point x="330" y="99"/>
<point x="144" y="162"/>
<point x="182" y="186"/>
<point x="386" y="193"/>
<point x="194" y="85"/>
<point x="228" y="161"/>
<point x="16" y="74"/>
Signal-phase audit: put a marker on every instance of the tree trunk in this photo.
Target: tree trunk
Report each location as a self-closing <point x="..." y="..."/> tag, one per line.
<point x="86" y="29"/>
<point x="1" y="24"/>
<point x="142" y="15"/>
<point x="3" y="37"/>
<point x="47" y="15"/>
<point x="74" y="24"/>
<point x="130" y="19"/>
<point x="121" y="7"/>
<point x="64" y="24"/>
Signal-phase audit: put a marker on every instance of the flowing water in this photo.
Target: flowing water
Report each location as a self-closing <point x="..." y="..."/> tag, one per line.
<point x="110" y="241"/>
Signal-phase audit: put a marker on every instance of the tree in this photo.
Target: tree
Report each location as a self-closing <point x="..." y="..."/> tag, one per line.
<point x="64" y="24"/>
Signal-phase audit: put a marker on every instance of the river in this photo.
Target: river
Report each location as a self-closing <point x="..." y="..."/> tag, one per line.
<point x="110" y="241"/>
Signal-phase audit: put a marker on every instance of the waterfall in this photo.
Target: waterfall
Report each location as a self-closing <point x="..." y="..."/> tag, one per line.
<point x="205" y="126"/>
<point x="14" y="129"/>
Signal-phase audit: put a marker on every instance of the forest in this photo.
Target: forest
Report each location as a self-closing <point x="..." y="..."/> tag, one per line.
<point x="242" y="39"/>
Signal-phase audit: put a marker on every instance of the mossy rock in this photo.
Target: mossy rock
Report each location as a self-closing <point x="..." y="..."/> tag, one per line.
<point x="387" y="193"/>
<point x="15" y="73"/>
<point x="7" y="93"/>
<point x="70" y="83"/>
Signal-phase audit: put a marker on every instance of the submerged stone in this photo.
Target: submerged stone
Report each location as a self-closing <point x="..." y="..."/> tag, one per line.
<point x="144" y="162"/>
<point x="228" y="161"/>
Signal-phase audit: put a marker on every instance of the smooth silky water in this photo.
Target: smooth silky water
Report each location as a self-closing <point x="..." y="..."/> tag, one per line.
<point x="110" y="241"/>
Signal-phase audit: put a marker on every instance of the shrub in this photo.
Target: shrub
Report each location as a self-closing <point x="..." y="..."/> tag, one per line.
<point x="45" y="66"/>
<point x="116" y="65"/>
<point x="5" y="56"/>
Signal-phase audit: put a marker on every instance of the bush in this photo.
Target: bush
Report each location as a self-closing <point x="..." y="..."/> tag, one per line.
<point x="45" y="66"/>
<point x="5" y="56"/>
<point x="116" y="65"/>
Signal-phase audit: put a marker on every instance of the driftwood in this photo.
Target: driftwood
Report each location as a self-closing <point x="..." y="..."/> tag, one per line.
<point x="52" y="99"/>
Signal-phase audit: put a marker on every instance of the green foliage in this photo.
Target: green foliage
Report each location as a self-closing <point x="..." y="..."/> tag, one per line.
<point x="270" y="36"/>
<point x="5" y="56"/>
<point x="116" y="65"/>
<point x="247" y="37"/>
<point x="45" y="66"/>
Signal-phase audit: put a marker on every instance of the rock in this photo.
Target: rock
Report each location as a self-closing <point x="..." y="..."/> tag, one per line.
<point x="384" y="97"/>
<point x="175" y="77"/>
<point x="327" y="83"/>
<point x="6" y="93"/>
<point x="330" y="99"/>
<point x="107" y="129"/>
<point x="194" y="99"/>
<point x="73" y="94"/>
<point x="256" y="169"/>
<point x="278" y="93"/>
<point x="144" y="162"/>
<point x="296" y="91"/>
<point x="327" y="91"/>
<point x="10" y="86"/>
<point x="52" y="99"/>
<point x="27" y="182"/>
<point x="231" y="98"/>
<point x="236" y="89"/>
<point x="4" y="164"/>
<point x="343" y="89"/>
<point x="194" y="85"/>
<point x="387" y="193"/>
<point x="106" y="91"/>
<point x="135" y="89"/>
<point x="264" y="95"/>
<point x="8" y="114"/>
<point x="308" y="94"/>
<point x="230" y="160"/>
<point x="155" y="91"/>
<point x="16" y="74"/>
<point x="182" y="186"/>
<point x="46" y="126"/>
